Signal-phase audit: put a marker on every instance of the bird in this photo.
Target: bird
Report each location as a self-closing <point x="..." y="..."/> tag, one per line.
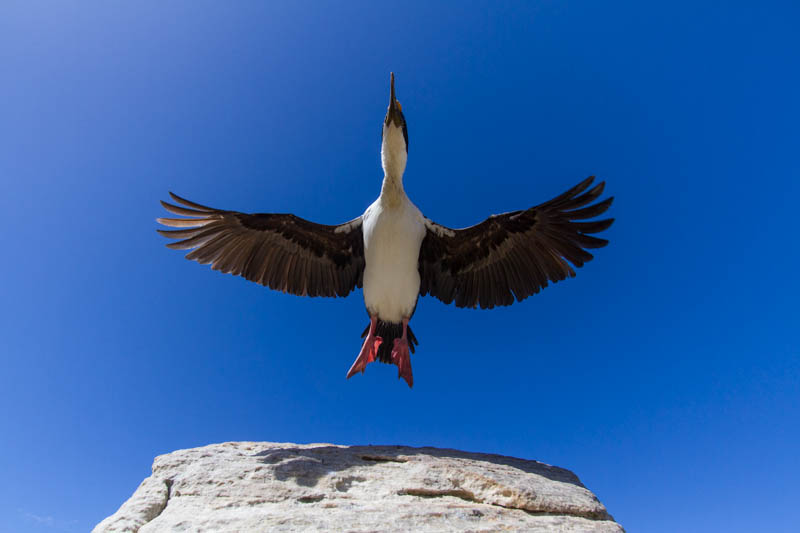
<point x="395" y="253"/>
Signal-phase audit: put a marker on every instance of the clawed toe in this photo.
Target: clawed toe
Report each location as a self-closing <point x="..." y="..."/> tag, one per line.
<point x="401" y="357"/>
<point x="367" y="355"/>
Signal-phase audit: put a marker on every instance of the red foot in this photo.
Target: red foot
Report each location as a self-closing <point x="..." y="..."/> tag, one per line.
<point x="369" y="350"/>
<point x="402" y="358"/>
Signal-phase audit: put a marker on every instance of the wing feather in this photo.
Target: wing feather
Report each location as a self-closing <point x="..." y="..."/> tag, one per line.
<point x="281" y="251"/>
<point x="513" y="255"/>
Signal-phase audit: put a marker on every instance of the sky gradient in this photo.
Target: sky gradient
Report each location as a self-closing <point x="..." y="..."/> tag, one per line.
<point x="666" y="375"/>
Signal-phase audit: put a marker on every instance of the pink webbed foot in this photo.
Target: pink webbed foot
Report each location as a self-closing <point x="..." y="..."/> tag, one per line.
<point x="369" y="351"/>
<point x="402" y="358"/>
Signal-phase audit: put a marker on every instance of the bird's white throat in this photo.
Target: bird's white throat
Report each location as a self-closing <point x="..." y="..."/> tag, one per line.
<point x="393" y="158"/>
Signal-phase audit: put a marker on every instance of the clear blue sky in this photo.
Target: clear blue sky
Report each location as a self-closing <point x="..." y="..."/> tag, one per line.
<point x="666" y="374"/>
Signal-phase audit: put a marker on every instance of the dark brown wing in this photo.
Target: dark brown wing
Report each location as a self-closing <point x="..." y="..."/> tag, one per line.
<point x="283" y="252"/>
<point x="515" y="254"/>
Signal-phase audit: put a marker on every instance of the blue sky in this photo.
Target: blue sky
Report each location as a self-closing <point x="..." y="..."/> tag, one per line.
<point x="666" y="374"/>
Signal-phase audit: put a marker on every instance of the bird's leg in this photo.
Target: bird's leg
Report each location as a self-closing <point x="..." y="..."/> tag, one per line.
<point x="369" y="350"/>
<point x="401" y="356"/>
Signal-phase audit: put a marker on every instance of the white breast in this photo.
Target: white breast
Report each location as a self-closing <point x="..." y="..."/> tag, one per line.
<point x="392" y="239"/>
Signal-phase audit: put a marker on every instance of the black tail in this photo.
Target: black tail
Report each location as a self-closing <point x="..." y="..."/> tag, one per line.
<point x="389" y="331"/>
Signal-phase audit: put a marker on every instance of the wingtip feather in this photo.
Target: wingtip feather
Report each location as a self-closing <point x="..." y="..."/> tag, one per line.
<point x="184" y="222"/>
<point x="189" y="203"/>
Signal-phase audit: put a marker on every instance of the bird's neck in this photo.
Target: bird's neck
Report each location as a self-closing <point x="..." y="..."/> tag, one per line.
<point x="393" y="159"/>
<point x="392" y="192"/>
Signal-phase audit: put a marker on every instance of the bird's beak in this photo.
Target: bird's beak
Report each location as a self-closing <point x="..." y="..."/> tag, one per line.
<point x="392" y="98"/>
<point x="393" y="115"/>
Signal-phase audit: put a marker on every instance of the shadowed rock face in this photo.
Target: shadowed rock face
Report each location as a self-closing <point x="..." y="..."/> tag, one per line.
<point x="264" y="486"/>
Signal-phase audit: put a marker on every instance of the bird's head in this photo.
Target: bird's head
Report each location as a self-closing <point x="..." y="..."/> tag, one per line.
<point x="394" y="148"/>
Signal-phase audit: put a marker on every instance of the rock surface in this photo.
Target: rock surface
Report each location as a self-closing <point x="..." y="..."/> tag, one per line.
<point x="264" y="486"/>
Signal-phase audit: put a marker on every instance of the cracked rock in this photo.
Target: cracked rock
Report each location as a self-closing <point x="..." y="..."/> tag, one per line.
<point x="264" y="486"/>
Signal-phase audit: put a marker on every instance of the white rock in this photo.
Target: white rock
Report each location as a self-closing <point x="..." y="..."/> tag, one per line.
<point x="264" y="486"/>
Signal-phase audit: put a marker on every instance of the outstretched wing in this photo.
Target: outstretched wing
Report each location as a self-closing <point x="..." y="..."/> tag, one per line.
<point x="513" y="255"/>
<point x="280" y="251"/>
